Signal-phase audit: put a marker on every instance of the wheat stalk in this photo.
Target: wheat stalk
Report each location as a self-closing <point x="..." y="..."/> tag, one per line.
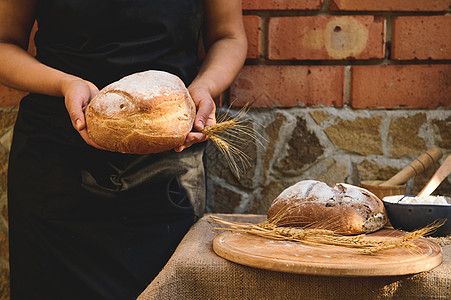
<point x="406" y="240"/>
<point x="325" y="237"/>
<point x="229" y="134"/>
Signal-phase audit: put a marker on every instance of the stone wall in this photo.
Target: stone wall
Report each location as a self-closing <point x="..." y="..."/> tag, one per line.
<point x="7" y="119"/>
<point x="341" y="91"/>
<point x="327" y="144"/>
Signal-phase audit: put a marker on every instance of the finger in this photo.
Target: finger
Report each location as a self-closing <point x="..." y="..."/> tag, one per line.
<point x="74" y="108"/>
<point x="191" y="138"/>
<point x="205" y="114"/>
<point x="76" y="101"/>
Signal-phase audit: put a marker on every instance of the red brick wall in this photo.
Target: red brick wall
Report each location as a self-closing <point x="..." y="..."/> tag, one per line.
<point x="357" y="53"/>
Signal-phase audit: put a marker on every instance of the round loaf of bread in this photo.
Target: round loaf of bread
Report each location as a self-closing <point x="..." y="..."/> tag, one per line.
<point x="147" y="112"/>
<point x="344" y="209"/>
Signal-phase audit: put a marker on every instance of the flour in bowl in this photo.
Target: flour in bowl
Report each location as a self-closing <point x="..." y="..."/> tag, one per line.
<point x="436" y="200"/>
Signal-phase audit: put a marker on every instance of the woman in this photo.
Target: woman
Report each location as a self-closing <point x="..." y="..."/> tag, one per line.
<point x="87" y="223"/>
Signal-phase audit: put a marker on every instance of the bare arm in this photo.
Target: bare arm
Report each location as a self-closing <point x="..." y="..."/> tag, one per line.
<point x="20" y="70"/>
<point x="226" y="52"/>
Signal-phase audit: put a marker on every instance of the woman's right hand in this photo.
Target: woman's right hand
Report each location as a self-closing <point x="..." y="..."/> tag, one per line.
<point x="20" y="70"/>
<point x="77" y="94"/>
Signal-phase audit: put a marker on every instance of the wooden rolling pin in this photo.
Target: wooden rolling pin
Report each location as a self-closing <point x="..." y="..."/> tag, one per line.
<point x="420" y="164"/>
<point x="439" y="176"/>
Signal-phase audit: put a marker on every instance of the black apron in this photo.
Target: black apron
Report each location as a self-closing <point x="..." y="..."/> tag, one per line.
<point x="92" y="224"/>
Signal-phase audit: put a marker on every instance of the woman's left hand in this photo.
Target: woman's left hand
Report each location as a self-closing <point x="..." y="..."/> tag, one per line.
<point x="205" y="116"/>
<point x="226" y="45"/>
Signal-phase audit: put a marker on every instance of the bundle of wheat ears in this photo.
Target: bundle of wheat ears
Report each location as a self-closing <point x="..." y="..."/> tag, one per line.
<point x="316" y="235"/>
<point x="230" y="133"/>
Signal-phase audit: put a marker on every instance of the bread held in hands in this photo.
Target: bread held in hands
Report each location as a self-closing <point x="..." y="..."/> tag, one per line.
<point x="147" y="112"/>
<point x="343" y="208"/>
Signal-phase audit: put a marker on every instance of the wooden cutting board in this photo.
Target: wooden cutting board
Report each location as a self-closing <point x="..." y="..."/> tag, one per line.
<point x="294" y="257"/>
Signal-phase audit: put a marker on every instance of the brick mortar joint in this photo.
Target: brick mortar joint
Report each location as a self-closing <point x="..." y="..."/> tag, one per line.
<point x="318" y="13"/>
<point x="325" y="6"/>
<point x="369" y="62"/>
<point x="347" y="85"/>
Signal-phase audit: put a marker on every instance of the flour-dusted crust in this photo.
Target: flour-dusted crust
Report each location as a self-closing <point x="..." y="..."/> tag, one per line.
<point x="344" y="208"/>
<point x="147" y="112"/>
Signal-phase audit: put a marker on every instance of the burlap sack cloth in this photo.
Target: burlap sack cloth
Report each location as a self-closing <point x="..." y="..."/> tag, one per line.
<point x="196" y="272"/>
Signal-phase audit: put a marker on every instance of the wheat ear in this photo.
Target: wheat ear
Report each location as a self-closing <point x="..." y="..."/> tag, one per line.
<point x="325" y="237"/>
<point x="229" y="134"/>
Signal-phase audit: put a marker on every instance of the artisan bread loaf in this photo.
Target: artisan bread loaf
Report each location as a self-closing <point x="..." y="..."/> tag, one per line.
<point x="147" y="112"/>
<point x="343" y="208"/>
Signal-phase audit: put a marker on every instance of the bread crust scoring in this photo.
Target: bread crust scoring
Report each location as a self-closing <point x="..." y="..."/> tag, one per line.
<point x="343" y="208"/>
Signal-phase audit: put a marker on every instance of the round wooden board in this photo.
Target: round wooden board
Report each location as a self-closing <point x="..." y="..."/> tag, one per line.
<point x="295" y="257"/>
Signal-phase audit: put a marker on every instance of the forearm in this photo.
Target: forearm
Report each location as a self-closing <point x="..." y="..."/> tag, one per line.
<point x="20" y="70"/>
<point x="226" y="46"/>
<point x="221" y="65"/>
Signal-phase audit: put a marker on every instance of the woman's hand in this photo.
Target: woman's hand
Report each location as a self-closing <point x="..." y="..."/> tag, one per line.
<point x="22" y="71"/>
<point x="226" y="46"/>
<point x="77" y="94"/>
<point x="205" y="116"/>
